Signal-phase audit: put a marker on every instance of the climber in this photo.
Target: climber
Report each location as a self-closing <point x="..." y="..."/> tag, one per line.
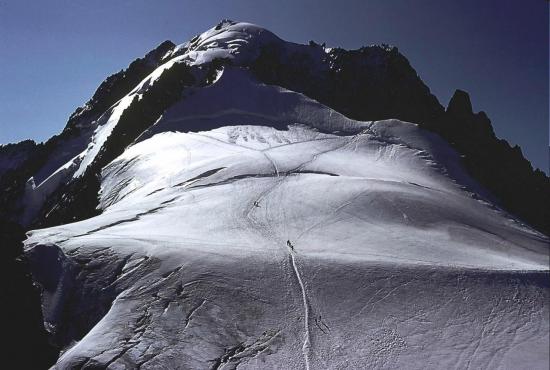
<point x="256" y="203"/>
<point x="289" y="244"/>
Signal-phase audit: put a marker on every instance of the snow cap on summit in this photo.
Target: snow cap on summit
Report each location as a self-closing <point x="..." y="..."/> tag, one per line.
<point x="238" y="41"/>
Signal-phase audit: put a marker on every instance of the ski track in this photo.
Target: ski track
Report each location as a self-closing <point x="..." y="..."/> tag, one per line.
<point x="268" y="231"/>
<point x="306" y="347"/>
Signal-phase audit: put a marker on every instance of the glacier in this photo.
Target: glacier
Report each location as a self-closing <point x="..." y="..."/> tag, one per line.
<point x="253" y="227"/>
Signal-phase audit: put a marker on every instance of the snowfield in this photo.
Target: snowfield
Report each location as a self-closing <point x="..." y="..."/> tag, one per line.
<point x="254" y="227"/>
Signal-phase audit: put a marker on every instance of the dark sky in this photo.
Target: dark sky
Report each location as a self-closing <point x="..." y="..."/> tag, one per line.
<point x="54" y="54"/>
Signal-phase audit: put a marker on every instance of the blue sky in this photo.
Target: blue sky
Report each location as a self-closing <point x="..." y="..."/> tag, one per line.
<point x="54" y="54"/>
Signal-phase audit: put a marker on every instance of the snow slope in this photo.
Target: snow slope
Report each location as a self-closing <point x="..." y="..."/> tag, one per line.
<point x="253" y="226"/>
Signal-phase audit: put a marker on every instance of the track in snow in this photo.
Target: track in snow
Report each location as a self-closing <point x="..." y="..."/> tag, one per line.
<point x="306" y="347"/>
<point x="267" y="230"/>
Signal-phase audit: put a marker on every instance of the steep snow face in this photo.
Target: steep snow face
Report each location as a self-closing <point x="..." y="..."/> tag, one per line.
<point x="102" y="132"/>
<point x="252" y="226"/>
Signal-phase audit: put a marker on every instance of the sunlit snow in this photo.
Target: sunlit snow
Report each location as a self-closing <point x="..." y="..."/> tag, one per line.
<point x="253" y="226"/>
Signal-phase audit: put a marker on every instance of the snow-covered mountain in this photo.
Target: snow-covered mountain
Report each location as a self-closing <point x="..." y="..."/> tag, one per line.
<point x="232" y="210"/>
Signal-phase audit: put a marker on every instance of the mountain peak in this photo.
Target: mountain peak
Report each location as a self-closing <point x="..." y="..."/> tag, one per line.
<point x="236" y="41"/>
<point x="231" y="199"/>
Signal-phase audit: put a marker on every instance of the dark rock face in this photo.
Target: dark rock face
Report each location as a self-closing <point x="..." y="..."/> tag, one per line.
<point x="79" y="305"/>
<point x="495" y="164"/>
<point x="12" y="181"/>
<point x="371" y="83"/>
<point x="26" y="345"/>
<point x="73" y="201"/>
<point x="12" y="156"/>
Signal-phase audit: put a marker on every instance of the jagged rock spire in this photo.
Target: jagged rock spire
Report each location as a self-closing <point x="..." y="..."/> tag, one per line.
<point x="460" y="104"/>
